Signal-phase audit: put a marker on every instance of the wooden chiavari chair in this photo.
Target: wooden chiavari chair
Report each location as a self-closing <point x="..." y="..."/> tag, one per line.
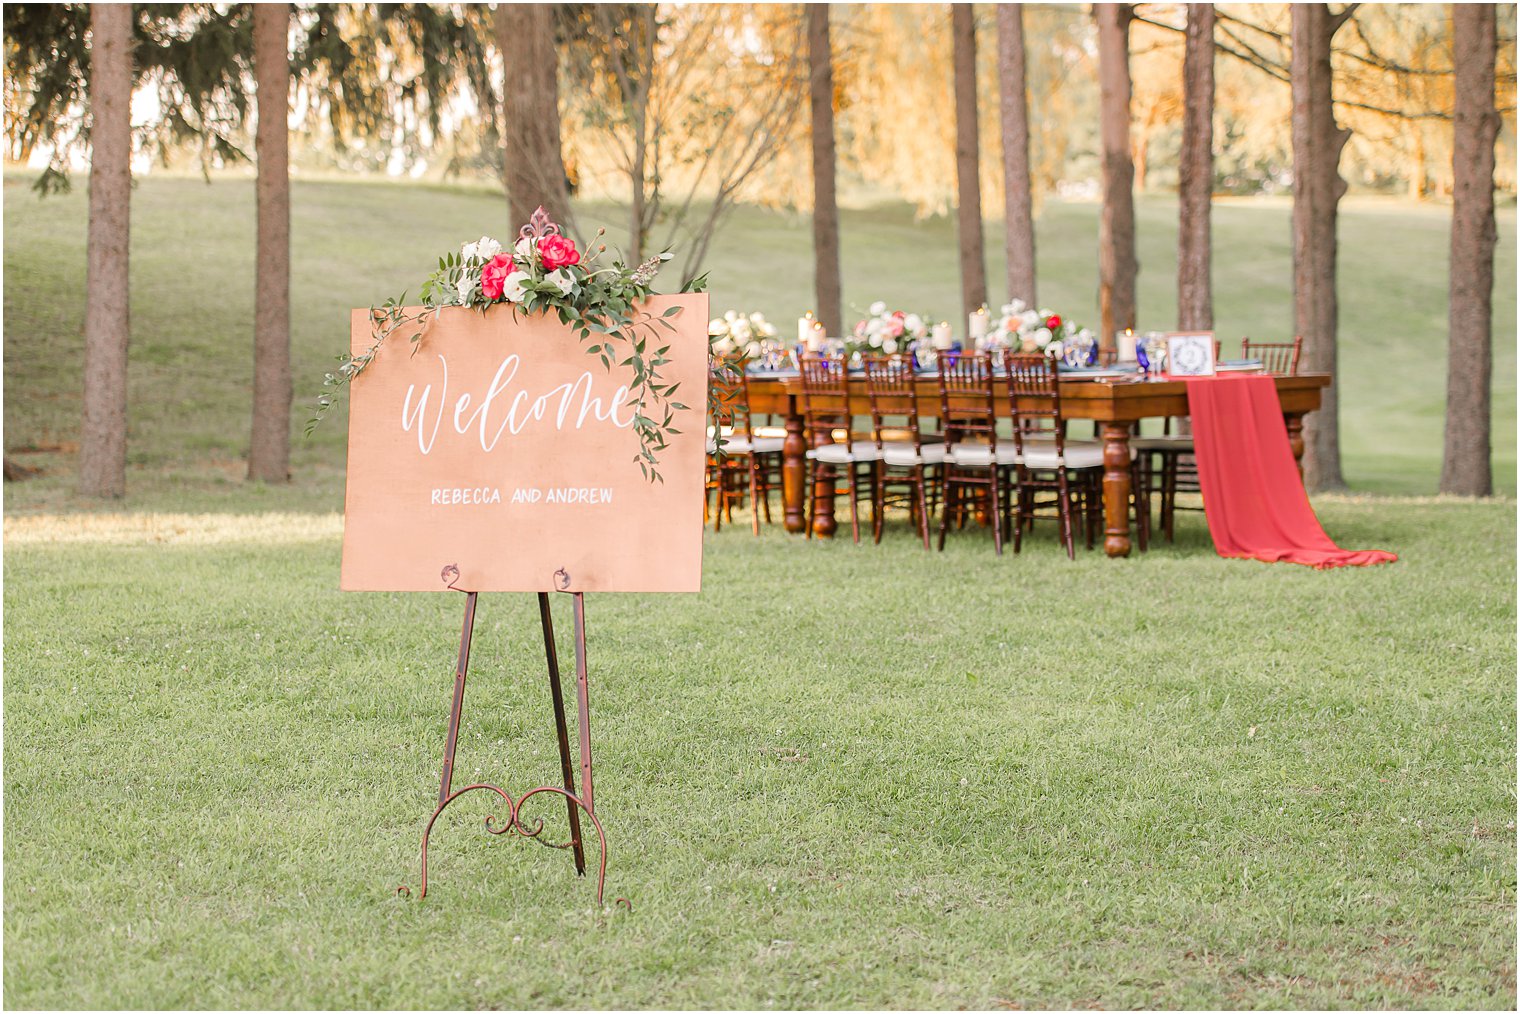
<point x="827" y="417"/>
<point x="905" y="459"/>
<point x="975" y="462"/>
<point x="1046" y="461"/>
<point x="735" y="454"/>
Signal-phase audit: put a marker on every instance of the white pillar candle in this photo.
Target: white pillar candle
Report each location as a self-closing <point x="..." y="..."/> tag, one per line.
<point x="805" y="327"/>
<point x="940" y="337"/>
<point x="814" y="339"/>
<point x="977" y="324"/>
<point x="1125" y="340"/>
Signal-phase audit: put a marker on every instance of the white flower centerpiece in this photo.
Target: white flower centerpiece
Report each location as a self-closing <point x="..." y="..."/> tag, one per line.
<point x="887" y="332"/>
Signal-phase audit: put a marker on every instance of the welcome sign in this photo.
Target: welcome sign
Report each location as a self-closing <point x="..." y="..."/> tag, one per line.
<point x="497" y="445"/>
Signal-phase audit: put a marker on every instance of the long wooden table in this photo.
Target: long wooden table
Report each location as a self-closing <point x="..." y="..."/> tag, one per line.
<point x="1117" y="406"/>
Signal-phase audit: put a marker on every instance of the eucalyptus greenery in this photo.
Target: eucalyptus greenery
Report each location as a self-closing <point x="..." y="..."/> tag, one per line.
<point x="602" y="306"/>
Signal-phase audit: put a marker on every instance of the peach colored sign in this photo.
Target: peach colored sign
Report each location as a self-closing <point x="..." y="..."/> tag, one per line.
<point x="502" y="448"/>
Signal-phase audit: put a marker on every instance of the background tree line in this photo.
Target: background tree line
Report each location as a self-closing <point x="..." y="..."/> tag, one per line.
<point x="681" y="112"/>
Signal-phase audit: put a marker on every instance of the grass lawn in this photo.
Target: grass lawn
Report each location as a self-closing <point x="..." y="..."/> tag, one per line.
<point x="840" y="777"/>
<point x="1168" y="781"/>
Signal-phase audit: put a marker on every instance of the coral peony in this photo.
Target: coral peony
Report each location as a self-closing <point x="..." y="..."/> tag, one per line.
<point x="558" y="252"/>
<point x="494" y="274"/>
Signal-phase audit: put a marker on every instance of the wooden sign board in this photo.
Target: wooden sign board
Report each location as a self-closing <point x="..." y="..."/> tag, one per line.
<point x="500" y="446"/>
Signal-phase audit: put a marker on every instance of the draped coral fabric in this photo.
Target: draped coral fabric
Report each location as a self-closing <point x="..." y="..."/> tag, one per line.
<point x="1253" y="495"/>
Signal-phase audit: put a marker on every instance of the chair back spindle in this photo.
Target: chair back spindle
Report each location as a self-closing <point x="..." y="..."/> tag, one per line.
<point x="892" y="388"/>
<point x="826" y="399"/>
<point x="966" y="400"/>
<point x="1277" y="358"/>
<point x="1034" y="400"/>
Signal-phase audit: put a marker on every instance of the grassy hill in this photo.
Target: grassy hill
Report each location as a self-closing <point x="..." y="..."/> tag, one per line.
<point x="358" y="242"/>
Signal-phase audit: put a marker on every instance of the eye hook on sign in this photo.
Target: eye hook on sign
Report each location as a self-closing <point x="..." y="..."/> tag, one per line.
<point x="562" y="579"/>
<point x="450" y="576"/>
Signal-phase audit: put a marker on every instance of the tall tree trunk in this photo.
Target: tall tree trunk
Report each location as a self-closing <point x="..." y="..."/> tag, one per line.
<point x="968" y="185"/>
<point x="1018" y="238"/>
<point x="1117" y="263"/>
<point x="1195" y="186"/>
<point x="107" y="325"/>
<point x="1465" y="465"/>
<point x="535" y="165"/>
<point x="1317" y="190"/>
<point x="269" y="448"/>
<point x="826" y="280"/>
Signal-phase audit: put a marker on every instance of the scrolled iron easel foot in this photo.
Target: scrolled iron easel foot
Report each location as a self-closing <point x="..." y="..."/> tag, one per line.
<point x="514" y="824"/>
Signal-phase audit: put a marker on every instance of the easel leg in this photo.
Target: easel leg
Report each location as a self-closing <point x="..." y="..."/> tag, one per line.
<point x="583" y="700"/>
<point x="459" y="675"/>
<point x="547" y="621"/>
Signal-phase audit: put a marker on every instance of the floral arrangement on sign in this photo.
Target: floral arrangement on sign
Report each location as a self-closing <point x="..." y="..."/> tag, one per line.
<point x="1026" y="329"/>
<point x="886" y="332"/>
<point x="545" y="271"/>
<point x="748" y="334"/>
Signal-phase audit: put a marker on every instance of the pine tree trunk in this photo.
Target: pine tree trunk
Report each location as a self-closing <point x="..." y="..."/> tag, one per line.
<point x="1195" y="186"/>
<point x="1117" y="263"/>
<point x="103" y="437"/>
<point x="535" y="166"/>
<point x="968" y="186"/>
<point x="269" y="448"/>
<point x="1465" y="465"/>
<point x="1317" y="190"/>
<point x="1017" y="185"/>
<point x="826" y="279"/>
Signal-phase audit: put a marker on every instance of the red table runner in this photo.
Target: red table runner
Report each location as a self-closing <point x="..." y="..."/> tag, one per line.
<point x="1253" y="495"/>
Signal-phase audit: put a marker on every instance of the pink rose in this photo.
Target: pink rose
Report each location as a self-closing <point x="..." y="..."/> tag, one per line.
<point x="493" y="275"/>
<point x="558" y="252"/>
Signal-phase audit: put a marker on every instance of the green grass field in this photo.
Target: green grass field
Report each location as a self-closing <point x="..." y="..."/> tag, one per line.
<point x="840" y="777"/>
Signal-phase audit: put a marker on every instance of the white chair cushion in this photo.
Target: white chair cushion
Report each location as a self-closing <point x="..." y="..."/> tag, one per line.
<point x="839" y="454"/>
<point x="1084" y="454"/>
<point x="743" y="445"/>
<point x="904" y="454"/>
<point x="980" y="455"/>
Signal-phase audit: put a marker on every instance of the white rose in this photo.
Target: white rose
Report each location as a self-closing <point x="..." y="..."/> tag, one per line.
<point x="722" y="346"/>
<point x="757" y="319"/>
<point x="752" y="349"/>
<point x="767" y="329"/>
<point x="741" y="330"/>
<point x="1054" y="349"/>
<point x="561" y="279"/>
<point x="875" y="341"/>
<point x="1042" y="337"/>
<point x="512" y="286"/>
<point x="485" y="248"/>
<point x="889" y="346"/>
<point x="913" y="322"/>
<point x="1017" y="306"/>
<point x="878" y="308"/>
<point x="716" y="326"/>
<point x="468" y="283"/>
<point x="730" y="316"/>
<point x="525" y="249"/>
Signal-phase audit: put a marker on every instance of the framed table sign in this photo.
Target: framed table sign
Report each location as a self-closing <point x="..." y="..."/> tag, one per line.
<point x="1190" y="354"/>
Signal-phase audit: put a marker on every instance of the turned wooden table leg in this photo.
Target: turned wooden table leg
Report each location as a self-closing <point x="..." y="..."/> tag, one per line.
<point x="1116" y="472"/>
<point x="1295" y="423"/>
<point x="825" y="479"/>
<point x="794" y="475"/>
